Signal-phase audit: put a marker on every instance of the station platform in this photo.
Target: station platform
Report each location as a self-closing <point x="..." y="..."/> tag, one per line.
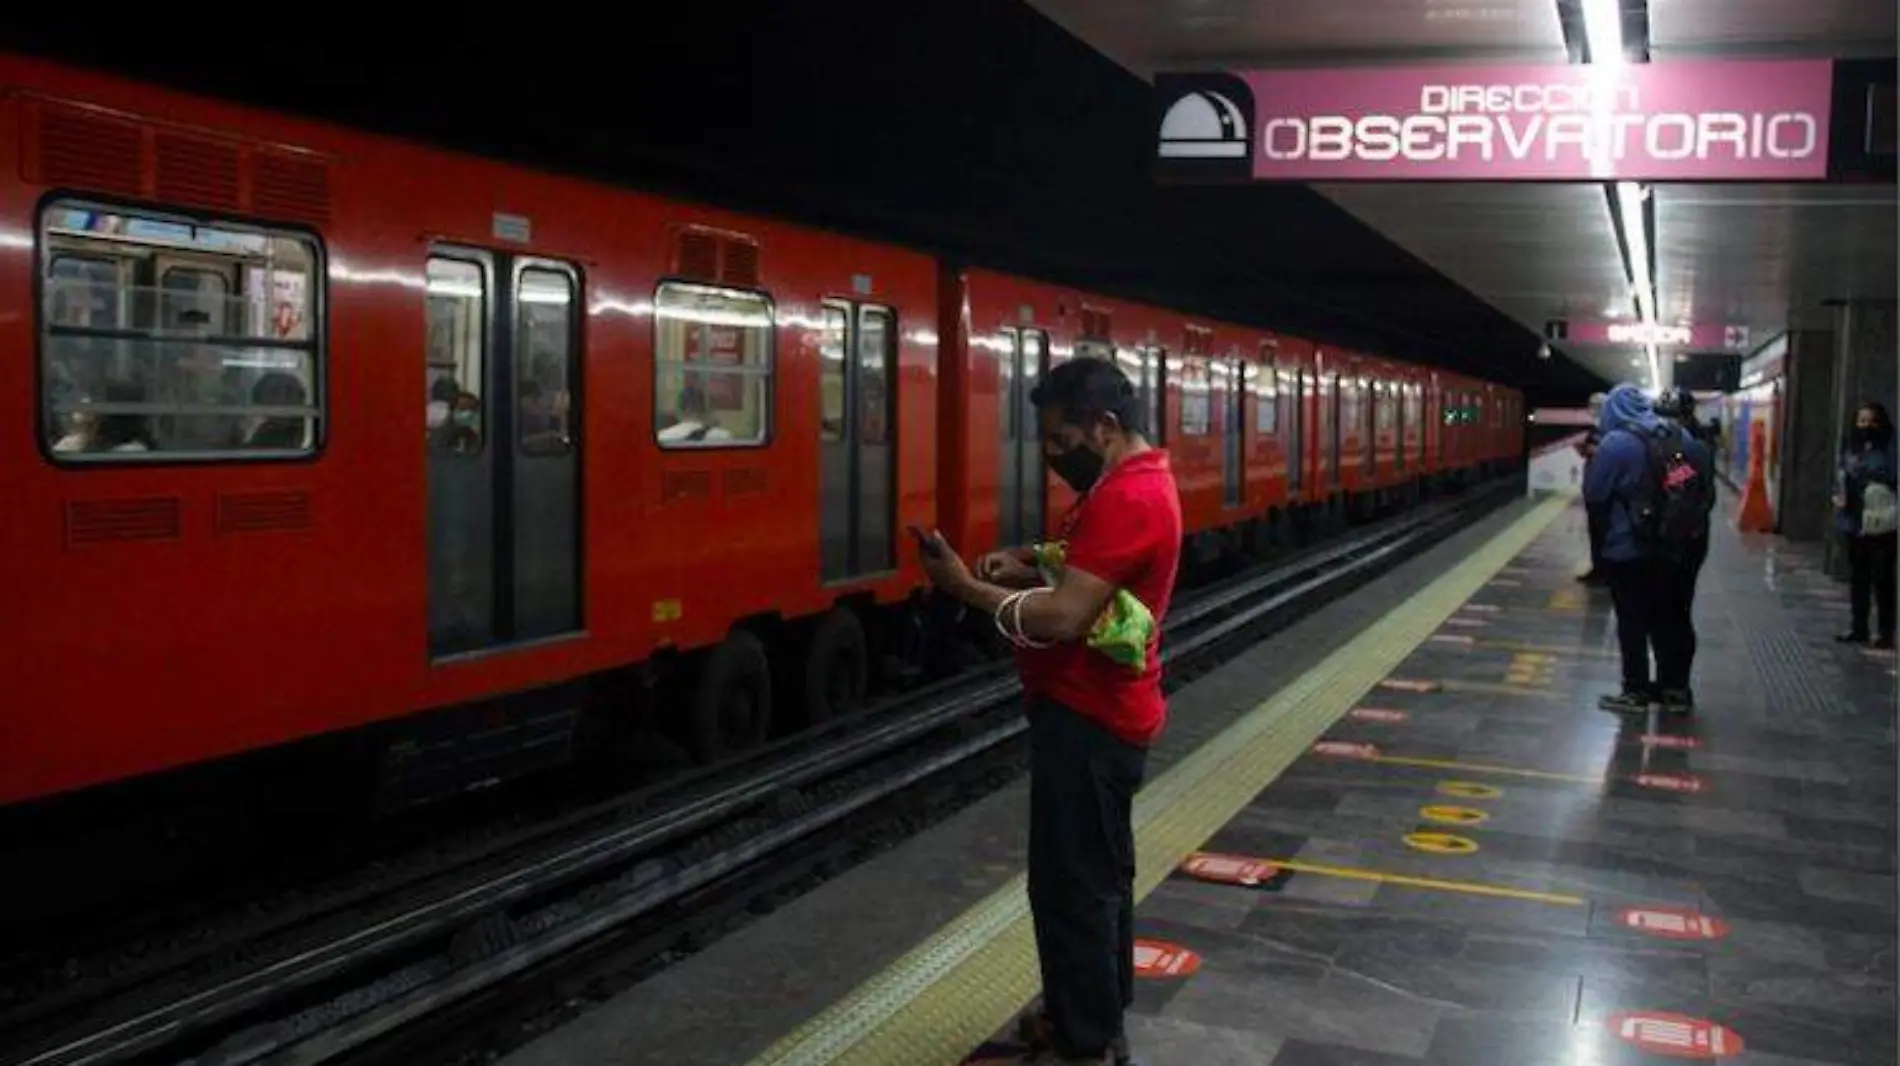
<point x="1400" y="833"/>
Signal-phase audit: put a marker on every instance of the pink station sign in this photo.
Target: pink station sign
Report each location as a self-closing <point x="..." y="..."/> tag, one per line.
<point x="1673" y="121"/>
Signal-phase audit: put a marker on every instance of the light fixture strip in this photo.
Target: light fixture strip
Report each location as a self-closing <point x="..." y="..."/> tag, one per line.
<point x="1603" y="40"/>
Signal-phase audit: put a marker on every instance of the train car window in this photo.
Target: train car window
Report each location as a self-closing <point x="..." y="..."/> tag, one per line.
<point x="832" y="337"/>
<point x="456" y="354"/>
<point x="544" y="352"/>
<point x="166" y="337"/>
<point x="712" y="367"/>
<point x="1267" y="399"/>
<point x="877" y="351"/>
<point x="1196" y="399"/>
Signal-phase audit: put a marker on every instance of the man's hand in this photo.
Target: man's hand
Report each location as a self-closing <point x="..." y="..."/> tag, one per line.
<point x="944" y="566"/>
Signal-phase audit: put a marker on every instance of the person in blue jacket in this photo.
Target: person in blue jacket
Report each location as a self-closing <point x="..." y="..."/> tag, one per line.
<point x="1865" y="516"/>
<point x="1652" y="579"/>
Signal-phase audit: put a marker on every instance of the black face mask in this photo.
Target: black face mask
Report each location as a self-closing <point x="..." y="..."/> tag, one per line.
<point x="1080" y="466"/>
<point x="1865" y="437"/>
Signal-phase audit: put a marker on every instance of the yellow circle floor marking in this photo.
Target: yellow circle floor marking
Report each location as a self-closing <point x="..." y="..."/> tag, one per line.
<point x="1440" y="843"/>
<point x="1445" y="815"/>
<point x="1470" y="790"/>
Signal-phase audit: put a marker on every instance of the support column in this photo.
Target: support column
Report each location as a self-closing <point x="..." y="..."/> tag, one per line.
<point x="1804" y="511"/>
<point x="1864" y="370"/>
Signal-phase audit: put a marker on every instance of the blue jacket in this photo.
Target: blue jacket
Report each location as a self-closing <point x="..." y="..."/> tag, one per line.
<point x="1857" y="471"/>
<point x="1618" y="474"/>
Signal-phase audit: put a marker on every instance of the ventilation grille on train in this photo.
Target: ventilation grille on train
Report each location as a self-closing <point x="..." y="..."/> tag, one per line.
<point x="99" y="521"/>
<point x="725" y="259"/>
<point x="744" y="482"/>
<point x="685" y="485"/>
<point x="258" y="512"/>
<point x="86" y="150"/>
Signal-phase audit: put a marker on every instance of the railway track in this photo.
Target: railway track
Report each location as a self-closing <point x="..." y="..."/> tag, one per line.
<point x="374" y="979"/>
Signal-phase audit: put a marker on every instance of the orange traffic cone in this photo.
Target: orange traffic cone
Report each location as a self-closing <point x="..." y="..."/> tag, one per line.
<point x="1756" y="516"/>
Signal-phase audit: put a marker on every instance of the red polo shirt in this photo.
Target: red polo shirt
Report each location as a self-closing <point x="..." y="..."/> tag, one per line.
<point x="1126" y="531"/>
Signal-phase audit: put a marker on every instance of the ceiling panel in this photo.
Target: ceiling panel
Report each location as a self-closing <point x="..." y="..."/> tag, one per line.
<point x="1149" y="35"/>
<point x="1834" y="28"/>
<point x="1770" y="256"/>
<point x="1534" y="251"/>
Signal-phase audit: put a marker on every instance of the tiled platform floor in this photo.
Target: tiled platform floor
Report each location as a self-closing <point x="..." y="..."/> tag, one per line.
<point x="1790" y="843"/>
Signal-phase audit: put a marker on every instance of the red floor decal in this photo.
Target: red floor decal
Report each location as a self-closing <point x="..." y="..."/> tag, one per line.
<point x="1228" y="869"/>
<point x="1675" y="1035"/>
<point x="1688" y="783"/>
<point x="1672" y="923"/>
<point x="1345" y="749"/>
<point x="1377" y="714"/>
<point x="1670" y="743"/>
<point x="1160" y="959"/>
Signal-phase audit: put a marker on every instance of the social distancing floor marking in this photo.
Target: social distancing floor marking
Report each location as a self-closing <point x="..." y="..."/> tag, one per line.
<point x="1445" y="814"/>
<point x="1469" y="790"/>
<point x="1436" y="843"/>
<point x="965" y="981"/>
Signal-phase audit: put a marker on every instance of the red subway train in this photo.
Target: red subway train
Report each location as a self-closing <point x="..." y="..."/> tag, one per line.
<point x="330" y="439"/>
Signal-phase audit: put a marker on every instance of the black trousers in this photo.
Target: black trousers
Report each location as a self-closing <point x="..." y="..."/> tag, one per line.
<point x="1654" y="600"/>
<point x="1082" y="782"/>
<point x="1599" y="519"/>
<point x="1871" y="564"/>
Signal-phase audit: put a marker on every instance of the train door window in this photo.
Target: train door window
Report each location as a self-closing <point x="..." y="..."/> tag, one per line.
<point x="1267" y="399"/>
<point x="1334" y="398"/>
<point x="712" y="365"/>
<point x="1022" y="359"/>
<point x="1294" y="439"/>
<point x="1032" y="479"/>
<point x="166" y="337"/>
<point x="1233" y="375"/>
<point x="1378" y="418"/>
<point x="1196" y="400"/>
<point x="858" y="349"/>
<point x="504" y="520"/>
<point x="546" y="497"/>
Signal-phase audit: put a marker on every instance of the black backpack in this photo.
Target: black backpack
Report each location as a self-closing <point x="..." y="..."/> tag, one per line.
<point x="1672" y="514"/>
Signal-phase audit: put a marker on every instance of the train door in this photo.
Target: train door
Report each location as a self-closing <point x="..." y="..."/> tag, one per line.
<point x="503" y="367"/>
<point x="1372" y="407"/>
<point x="1234" y="425"/>
<point x="1151" y="392"/>
<point x="1331" y="417"/>
<point x="858" y="492"/>
<point x="1402" y="391"/>
<point x="1023" y="485"/>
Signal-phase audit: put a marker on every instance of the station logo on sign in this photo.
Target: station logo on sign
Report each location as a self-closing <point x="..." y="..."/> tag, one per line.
<point x="1674" y="1035"/>
<point x="1204" y="127"/>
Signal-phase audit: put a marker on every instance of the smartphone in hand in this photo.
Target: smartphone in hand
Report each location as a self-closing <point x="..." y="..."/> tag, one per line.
<point x="925" y="543"/>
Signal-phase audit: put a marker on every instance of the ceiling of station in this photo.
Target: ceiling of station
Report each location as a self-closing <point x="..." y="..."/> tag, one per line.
<point x="1764" y="257"/>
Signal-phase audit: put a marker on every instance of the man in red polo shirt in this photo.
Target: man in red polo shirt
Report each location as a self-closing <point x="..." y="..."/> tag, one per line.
<point x="1091" y="669"/>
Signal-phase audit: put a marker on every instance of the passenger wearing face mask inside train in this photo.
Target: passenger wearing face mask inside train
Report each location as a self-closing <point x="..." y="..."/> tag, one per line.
<point x="1086" y="612"/>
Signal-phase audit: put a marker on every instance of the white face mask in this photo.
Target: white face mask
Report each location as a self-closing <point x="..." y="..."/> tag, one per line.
<point x="438" y="413"/>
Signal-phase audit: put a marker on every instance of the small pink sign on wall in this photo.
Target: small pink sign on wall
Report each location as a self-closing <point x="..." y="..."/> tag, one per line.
<point x="1678" y="121"/>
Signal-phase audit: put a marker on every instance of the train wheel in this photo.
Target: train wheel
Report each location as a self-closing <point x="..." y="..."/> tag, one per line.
<point x="732" y="707"/>
<point x="837" y="667"/>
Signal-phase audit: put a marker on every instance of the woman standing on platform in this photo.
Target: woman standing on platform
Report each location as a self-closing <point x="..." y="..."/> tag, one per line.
<point x="1867" y="517"/>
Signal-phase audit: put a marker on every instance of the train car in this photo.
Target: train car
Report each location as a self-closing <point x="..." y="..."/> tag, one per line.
<point x="320" y="439"/>
<point x="336" y="445"/>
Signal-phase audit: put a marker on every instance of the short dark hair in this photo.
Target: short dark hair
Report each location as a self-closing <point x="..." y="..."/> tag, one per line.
<point x="1086" y="388"/>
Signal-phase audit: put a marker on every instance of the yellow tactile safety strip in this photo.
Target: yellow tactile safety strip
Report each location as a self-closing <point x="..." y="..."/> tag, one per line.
<point x="956" y="989"/>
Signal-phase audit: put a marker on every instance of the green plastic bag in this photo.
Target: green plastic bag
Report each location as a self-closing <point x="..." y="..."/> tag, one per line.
<point x="1124" y="628"/>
